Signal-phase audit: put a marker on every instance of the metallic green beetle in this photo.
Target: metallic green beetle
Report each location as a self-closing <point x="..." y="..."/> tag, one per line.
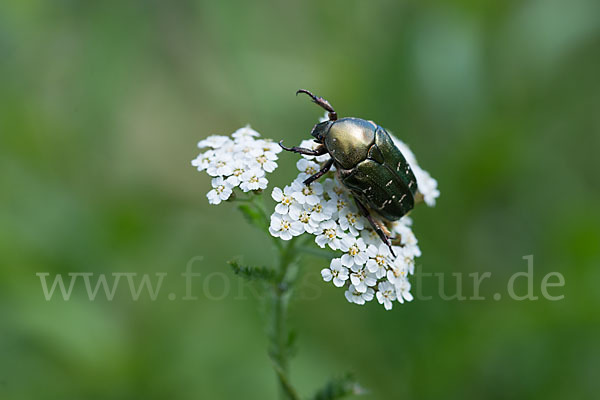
<point x="367" y="163"/>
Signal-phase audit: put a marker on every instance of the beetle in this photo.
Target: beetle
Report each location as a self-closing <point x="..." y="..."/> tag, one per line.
<point x="367" y="163"/>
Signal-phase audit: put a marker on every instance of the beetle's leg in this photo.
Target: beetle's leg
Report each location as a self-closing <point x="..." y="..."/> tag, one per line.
<point x="319" y="151"/>
<point x="319" y="174"/>
<point x="375" y="224"/>
<point x="322" y="103"/>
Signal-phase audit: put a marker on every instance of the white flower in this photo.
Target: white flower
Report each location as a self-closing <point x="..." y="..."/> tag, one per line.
<point x="238" y="167"/>
<point x="214" y="141"/>
<point x="342" y="205"/>
<point x="321" y="212"/>
<point x="307" y="168"/>
<point x="352" y="221"/>
<point x="407" y="238"/>
<point x="386" y="293"/>
<point x="354" y="296"/>
<point x="311" y="144"/>
<point x="362" y="279"/>
<point x="221" y="191"/>
<point x="268" y="146"/>
<point x="284" y="198"/>
<point x="403" y="291"/>
<point x="203" y="160"/>
<point x="379" y="259"/>
<point x="356" y="253"/>
<point x="307" y="194"/>
<point x="303" y="214"/>
<point x="336" y="272"/>
<point x="409" y="260"/>
<point x="221" y="165"/>
<point x="265" y="161"/>
<point x="245" y="133"/>
<point x="330" y="235"/>
<point x="333" y="188"/>
<point x="260" y="153"/>
<point x="397" y="272"/>
<point x="253" y="180"/>
<point x="405" y="259"/>
<point x="370" y="236"/>
<point x="406" y="221"/>
<point x="245" y="150"/>
<point x="337" y="196"/>
<point x="284" y="227"/>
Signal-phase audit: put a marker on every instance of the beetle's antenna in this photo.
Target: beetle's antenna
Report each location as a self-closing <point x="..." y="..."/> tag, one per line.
<point x="321" y="102"/>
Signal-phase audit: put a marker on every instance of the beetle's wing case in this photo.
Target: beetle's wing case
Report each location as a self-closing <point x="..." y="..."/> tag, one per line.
<point x="394" y="160"/>
<point x="384" y="181"/>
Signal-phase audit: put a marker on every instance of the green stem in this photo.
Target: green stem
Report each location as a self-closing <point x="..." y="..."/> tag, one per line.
<point x="280" y="293"/>
<point x="280" y="334"/>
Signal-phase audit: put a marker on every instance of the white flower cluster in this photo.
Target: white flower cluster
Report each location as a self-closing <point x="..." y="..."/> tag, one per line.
<point x="427" y="185"/>
<point x="367" y="268"/>
<point x="237" y="161"/>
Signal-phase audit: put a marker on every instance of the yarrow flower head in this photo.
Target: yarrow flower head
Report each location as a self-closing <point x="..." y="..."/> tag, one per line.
<point x="237" y="161"/>
<point x="326" y="209"/>
<point x="361" y="263"/>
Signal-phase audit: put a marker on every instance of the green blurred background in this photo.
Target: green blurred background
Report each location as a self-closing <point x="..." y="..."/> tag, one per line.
<point x="101" y="106"/>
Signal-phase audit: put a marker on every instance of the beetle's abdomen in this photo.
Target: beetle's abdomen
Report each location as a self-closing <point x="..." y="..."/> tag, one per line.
<point x="380" y="189"/>
<point x="349" y="139"/>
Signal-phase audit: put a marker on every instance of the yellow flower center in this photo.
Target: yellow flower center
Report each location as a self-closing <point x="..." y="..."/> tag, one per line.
<point x="305" y="217"/>
<point x="306" y="190"/>
<point x="399" y="272"/>
<point x="351" y="218"/>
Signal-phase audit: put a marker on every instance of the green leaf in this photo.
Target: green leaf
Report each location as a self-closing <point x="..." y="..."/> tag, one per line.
<point x="339" y="388"/>
<point x="254" y="216"/>
<point x="318" y="252"/>
<point x="253" y="273"/>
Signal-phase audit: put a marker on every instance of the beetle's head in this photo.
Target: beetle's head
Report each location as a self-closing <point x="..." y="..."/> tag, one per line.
<point x="320" y="130"/>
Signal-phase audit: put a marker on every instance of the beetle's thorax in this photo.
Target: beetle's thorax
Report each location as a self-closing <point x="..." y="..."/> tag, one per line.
<point x="349" y="139"/>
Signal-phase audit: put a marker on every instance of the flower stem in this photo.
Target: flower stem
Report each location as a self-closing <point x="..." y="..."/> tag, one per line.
<point x="280" y="335"/>
<point x="280" y="293"/>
